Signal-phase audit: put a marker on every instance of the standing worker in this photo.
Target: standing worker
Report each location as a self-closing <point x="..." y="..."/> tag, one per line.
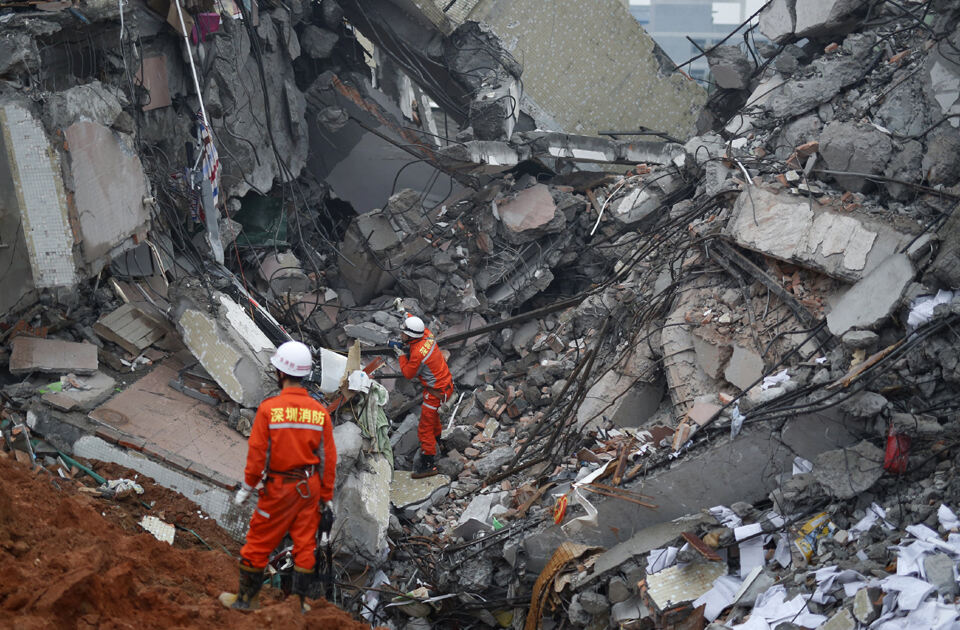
<point x="425" y="361"/>
<point x="291" y="449"/>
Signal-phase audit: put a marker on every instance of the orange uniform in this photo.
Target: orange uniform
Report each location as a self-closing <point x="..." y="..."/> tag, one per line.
<point x="426" y="362"/>
<point x="292" y="440"/>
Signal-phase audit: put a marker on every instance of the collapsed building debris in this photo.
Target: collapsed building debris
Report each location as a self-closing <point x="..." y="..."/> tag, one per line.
<point x="704" y="346"/>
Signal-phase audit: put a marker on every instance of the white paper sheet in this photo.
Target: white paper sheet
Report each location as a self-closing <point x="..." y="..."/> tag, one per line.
<point x="911" y="591"/>
<point x="948" y="519"/>
<point x="719" y="597"/>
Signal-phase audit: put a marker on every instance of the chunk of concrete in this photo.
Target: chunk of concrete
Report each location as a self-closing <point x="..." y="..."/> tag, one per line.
<point x="730" y="67"/>
<point x="283" y="273"/>
<point x="865" y="610"/>
<point x="228" y="344"/>
<point x="476" y="517"/>
<point x="864" y="405"/>
<point x="530" y="214"/>
<point x="819" y="17"/>
<point x="405" y="491"/>
<point x="842" y="620"/>
<point x="349" y="440"/>
<point x="941" y="572"/>
<point x="745" y="367"/>
<point x="712" y="357"/>
<point x="846" y="472"/>
<point x="90" y="102"/>
<point x="916" y="424"/>
<point x="492" y="462"/>
<point x="860" y="339"/>
<point x="874" y="298"/>
<point x="843" y="246"/>
<point x="362" y="507"/>
<point x="778" y="19"/>
<point x="31" y="354"/>
<point x="618" y="590"/>
<point x="851" y="148"/>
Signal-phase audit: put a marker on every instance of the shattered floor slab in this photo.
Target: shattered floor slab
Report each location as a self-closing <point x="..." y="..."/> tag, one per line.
<point x="153" y="411"/>
<point x="796" y="229"/>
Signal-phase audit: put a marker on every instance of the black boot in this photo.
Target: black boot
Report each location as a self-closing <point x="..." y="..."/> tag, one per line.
<point x="248" y="591"/>
<point x="425" y="467"/>
<point x="302" y="581"/>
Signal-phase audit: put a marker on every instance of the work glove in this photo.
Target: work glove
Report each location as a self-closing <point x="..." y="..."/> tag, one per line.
<point x="242" y="495"/>
<point x="398" y="304"/>
<point x="397" y="348"/>
<point x="326" y="518"/>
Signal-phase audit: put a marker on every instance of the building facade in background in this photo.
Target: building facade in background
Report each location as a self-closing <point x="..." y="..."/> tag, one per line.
<point x="706" y="22"/>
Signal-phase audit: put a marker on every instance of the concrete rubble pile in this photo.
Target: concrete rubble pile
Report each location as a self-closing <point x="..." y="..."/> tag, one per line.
<point x="706" y="373"/>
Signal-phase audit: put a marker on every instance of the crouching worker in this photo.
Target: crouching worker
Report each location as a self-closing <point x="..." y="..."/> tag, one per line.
<point x="291" y="448"/>
<point x="425" y="361"/>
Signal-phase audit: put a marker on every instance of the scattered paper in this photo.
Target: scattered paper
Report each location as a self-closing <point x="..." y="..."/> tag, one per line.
<point x="921" y="311"/>
<point x="774" y="379"/>
<point x="722" y="594"/>
<point x="726" y="516"/>
<point x="911" y="591"/>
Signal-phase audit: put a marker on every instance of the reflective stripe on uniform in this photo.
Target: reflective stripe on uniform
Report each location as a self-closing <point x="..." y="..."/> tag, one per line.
<point x="429" y="406"/>
<point x="262" y="513"/>
<point x="296" y="425"/>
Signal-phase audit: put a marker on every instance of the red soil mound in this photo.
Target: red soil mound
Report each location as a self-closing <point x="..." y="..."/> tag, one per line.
<point x="63" y="565"/>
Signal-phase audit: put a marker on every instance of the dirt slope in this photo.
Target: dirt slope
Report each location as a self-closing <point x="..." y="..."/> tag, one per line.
<point x="63" y="565"/>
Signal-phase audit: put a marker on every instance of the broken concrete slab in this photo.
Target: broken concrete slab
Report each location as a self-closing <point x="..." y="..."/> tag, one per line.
<point x="733" y="476"/>
<point x="362" y="506"/>
<point x="873" y="299"/>
<point x="818" y="17"/>
<point x="193" y="430"/>
<point x="96" y="388"/>
<point x="229" y="345"/>
<point x="745" y="367"/>
<point x="846" y="472"/>
<point x="778" y="20"/>
<point x="31" y="187"/>
<point x="32" y="354"/>
<point x="844" y="246"/>
<point x="108" y="215"/>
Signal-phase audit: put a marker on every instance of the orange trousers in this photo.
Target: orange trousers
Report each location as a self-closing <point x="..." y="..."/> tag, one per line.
<point x="282" y="508"/>
<point x="429" y="428"/>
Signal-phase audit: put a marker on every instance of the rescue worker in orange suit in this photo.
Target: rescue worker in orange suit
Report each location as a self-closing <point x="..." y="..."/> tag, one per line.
<point x="425" y="361"/>
<point x="291" y="449"/>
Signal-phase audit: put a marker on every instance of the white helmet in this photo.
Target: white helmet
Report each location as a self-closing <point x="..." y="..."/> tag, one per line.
<point x="413" y="327"/>
<point x="293" y="358"/>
